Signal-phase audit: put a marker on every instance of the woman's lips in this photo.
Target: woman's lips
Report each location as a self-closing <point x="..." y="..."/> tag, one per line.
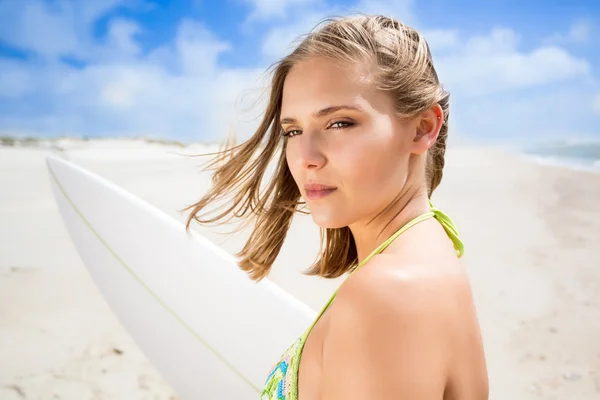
<point x="318" y="194"/>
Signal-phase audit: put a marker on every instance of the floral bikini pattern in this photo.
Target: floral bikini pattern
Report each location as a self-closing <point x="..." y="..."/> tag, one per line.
<point x="280" y="384"/>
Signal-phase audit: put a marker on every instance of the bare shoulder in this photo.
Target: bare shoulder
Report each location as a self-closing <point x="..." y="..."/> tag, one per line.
<point x="407" y="291"/>
<point x="402" y="324"/>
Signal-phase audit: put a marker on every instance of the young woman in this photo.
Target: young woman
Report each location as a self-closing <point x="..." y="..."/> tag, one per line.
<point x="358" y="121"/>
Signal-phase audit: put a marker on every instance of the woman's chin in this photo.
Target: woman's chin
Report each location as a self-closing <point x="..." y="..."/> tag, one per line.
<point x="327" y="222"/>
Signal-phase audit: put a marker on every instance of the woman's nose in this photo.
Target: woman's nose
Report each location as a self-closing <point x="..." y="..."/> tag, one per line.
<point x="308" y="151"/>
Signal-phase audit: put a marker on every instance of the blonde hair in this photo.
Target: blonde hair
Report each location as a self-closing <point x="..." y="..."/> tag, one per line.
<point x="401" y="66"/>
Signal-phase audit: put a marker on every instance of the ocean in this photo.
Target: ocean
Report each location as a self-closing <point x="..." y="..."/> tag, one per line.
<point x="583" y="155"/>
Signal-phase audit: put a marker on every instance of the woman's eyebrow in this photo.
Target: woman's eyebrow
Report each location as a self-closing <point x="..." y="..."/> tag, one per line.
<point x="321" y="113"/>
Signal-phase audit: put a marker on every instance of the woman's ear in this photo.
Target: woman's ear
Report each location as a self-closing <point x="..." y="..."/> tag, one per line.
<point x="427" y="128"/>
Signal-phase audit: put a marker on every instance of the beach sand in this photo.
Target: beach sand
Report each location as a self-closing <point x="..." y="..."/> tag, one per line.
<point x="532" y="235"/>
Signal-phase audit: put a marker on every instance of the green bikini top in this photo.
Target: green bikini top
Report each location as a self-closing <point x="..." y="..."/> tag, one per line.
<point x="282" y="382"/>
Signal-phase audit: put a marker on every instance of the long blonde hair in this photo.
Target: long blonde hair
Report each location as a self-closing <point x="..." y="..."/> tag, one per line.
<point x="402" y="66"/>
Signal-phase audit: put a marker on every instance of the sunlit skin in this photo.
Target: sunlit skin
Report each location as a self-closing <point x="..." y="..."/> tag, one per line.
<point x="404" y="326"/>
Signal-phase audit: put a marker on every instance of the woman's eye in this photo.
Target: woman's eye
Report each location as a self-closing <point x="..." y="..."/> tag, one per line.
<point x="340" y="124"/>
<point x="334" y="125"/>
<point x="291" y="133"/>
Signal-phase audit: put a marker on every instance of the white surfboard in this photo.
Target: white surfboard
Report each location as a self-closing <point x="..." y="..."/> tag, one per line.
<point x="208" y="329"/>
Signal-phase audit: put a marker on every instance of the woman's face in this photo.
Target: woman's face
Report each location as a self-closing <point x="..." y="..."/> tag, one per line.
<point x="343" y="134"/>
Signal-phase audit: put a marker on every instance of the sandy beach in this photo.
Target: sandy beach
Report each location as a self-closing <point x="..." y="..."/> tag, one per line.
<point x="532" y="235"/>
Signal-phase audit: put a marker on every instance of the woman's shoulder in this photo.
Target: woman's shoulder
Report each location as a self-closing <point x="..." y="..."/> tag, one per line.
<point x="399" y="287"/>
<point x="391" y="296"/>
<point x="386" y="312"/>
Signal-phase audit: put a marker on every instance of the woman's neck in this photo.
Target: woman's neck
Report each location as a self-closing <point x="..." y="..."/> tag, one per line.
<point x="373" y="231"/>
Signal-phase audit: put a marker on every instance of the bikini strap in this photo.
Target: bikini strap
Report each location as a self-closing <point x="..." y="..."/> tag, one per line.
<point x="393" y="237"/>
<point x="450" y="228"/>
<point x="438" y="214"/>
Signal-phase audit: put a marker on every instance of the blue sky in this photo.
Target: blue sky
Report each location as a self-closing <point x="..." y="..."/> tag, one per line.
<point x="518" y="71"/>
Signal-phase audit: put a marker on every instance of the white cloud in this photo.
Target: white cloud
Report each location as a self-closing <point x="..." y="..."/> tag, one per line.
<point x="579" y="32"/>
<point x="498" y="41"/>
<point x="52" y="29"/>
<point x="441" y="39"/>
<point x="121" y="37"/>
<point x="490" y="64"/>
<point x="15" y="82"/>
<point x="35" y="26"/>
<point x="133" y="99"/>
<point x="197" y="48"/>
<point x="281" y="40"/>
<point x="90" y="11"/>
<point x="553" y="112"/>
<point x="177" y="90"/>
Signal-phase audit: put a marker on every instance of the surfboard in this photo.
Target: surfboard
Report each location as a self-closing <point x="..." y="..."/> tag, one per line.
<point x="210" y="331"/>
